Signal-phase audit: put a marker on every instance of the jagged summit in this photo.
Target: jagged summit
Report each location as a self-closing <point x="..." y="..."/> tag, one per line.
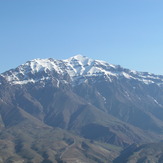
<point x="78" y="68"/>
<point x="78" y="57"/>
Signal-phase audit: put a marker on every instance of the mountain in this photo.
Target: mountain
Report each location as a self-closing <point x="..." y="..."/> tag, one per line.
<point x="88" y="107"/>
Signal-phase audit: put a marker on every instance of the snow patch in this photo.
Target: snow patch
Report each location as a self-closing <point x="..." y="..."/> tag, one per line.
<point x="126" y="75"/>
<point x="24" y="82"/>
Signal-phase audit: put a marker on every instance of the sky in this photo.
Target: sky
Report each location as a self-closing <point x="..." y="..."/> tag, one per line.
<point x="122" y="32"/>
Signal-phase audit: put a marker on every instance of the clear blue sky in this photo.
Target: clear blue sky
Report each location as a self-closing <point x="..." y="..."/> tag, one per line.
<point x="124" y="32"/>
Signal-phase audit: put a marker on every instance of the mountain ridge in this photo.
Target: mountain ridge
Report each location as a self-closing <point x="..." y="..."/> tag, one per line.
<point x="75" y="67"/>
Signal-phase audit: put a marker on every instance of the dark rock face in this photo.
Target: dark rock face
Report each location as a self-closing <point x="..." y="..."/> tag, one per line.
<point x="152" y="152"/>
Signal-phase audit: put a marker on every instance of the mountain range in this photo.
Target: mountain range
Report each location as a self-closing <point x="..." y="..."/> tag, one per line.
<point x="80" y="110"/>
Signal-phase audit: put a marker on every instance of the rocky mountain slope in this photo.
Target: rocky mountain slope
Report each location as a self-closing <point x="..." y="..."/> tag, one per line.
<point x="152" y="153"/>
<point x="85" y="101"/>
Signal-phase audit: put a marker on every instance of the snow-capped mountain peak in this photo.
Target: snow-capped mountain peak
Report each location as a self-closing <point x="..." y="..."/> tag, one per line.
<point x="79" y="68"/>
<point x="79" y="60"/>
<point x="38" y="65"/>
<point x="79" y="57"/>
